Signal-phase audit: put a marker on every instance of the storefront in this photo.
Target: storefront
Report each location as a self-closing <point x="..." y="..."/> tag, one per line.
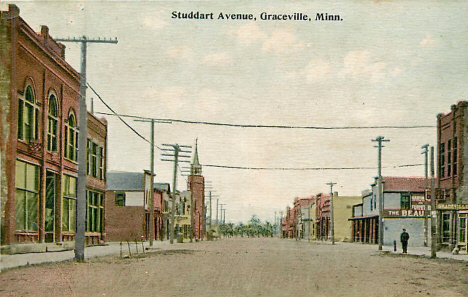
<point x="453" y="221"/>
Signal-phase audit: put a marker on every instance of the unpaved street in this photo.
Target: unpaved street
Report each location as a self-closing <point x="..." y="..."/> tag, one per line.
<point x="245" y="267"/>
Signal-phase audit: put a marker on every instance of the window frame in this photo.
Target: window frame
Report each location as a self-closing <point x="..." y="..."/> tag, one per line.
<point x="53" y="124"/>
<point x="94" y="211"/>
<point x="28" y="116"/>
<point x="71" y="199"/>
<point x="405" y="201"/>
<point x="28" y="194"/>
<point x="71" y="138"/>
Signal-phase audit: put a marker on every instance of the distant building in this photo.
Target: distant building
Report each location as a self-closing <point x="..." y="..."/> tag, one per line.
<point x="162" y="193"/>
<point x="322" y="216"/>
<point x="403" y="208"/>
<point x="39" y="94"/>
<point x="302" y="207"/>
<point x="342" y="210"/>
<point x="196" y="185"/>
<point x="183" y="217"/>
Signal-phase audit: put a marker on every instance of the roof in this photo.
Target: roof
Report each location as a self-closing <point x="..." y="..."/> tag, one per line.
<point x="162" y="187"/>
<point x="196" y="161"/>
<point x="404" y="183"/>
<point x="124" y="181"/>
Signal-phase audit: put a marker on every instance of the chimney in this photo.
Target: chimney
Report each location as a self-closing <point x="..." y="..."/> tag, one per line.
<point x="14" y="10"/>
<point x="44" y="31"/>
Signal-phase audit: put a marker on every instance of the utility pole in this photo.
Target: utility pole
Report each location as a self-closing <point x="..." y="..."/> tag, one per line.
<point x="380" y="139"/>
<point x="176" y="149"/>
<point x="217" y="207"/>
<point x="280" y="225"/>
<point x="332" y="218"/>
<point x="82" y="141"/>
<point x="151" y="198"/>
<point x="433" y="209"/>
<point x="221" y="212"/>
<point x="224" y="220"/>
<point x="426" y="204"/>
<point x="274" y="224"/>
<point x="310" y="231"/>
<point x="210" y="212"/>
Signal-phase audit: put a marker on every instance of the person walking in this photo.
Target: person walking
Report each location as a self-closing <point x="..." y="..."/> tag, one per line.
<point x="404" y="237"/>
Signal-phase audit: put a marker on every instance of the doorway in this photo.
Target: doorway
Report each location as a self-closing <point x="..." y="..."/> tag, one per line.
<point x="50" y="200"/>
<point x="463" y="232"/>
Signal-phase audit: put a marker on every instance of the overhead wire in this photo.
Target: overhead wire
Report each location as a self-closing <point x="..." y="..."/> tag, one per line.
<point x="120" y="116"/>
<point x="273" y="126"/>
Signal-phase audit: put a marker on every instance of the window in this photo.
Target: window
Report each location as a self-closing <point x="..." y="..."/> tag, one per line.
<point x="52" y="130"/>
<point x="95" y="160"/>
<point x="94" y="212"/>
<point x="120" y="199"/>
<point x="27" y="197"/>
<point x="462" y="235"/>
<point x="101" y="163"/>
<point x="455" y="155"/>
<point x="28" y="116"/>
<point x="445" y="227"/>
<point x="68" y="203"/>
<point x="405" y="202"/>
<point x="442" y="159"/>
<point x="449" y="158"/>
<point x="71" y="138"/>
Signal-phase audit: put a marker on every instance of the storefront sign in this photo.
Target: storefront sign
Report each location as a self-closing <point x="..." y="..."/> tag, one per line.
<point x="404" y="213"/>
<point x="452" y="206"/>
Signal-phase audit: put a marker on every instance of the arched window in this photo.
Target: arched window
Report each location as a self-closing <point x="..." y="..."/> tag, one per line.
<point x="71" y="138"/>
<point x="52" y="132"/>
<point x="28" y="116"/>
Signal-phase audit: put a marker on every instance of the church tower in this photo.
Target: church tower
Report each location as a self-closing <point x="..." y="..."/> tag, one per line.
<point x="196" y="185"/>
<point x="196" y="168"/>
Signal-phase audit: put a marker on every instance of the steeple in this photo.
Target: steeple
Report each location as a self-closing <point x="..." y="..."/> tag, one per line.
<point x="196" y="168"/>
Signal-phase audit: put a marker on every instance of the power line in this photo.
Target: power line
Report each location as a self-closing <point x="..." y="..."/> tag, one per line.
<point x="228" y="166"/>
<point x="276" y="126"/>
<point x="120" y="118"/>
<point x="304" y="168"/>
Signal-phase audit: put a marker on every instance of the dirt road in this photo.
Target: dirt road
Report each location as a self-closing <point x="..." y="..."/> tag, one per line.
<point x="245" y="267"/>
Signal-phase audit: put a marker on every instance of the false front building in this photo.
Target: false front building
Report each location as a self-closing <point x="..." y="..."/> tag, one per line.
<point x="403" y="208"/>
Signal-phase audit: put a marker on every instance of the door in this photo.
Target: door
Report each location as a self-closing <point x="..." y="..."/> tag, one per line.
<point x="51" y="195"/>
<point x="463" y="233"/>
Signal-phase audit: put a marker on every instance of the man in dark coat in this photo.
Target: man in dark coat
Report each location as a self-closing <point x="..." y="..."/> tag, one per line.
<point x="404" y="237"/>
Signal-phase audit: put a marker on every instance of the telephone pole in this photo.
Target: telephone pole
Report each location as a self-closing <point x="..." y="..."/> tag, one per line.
<point x="433" y="209"/>
<point x="176" y="149"/>
<point x="221" y="212"/>
<point x="332" y="227"/>
<point x="426" y="204"/>
<point x="151" y="198"/>
<point x="380" y="139"/>
<point x="217" y="207"/>
<point x="82" y="140"/>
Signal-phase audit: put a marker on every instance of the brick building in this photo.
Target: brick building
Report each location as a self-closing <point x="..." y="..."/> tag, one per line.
<point x="302" y="216"/>
<point x="288" y="223"/>
<point x="196" y="185"/>
<point x="322" y="216"/>
<point x="39" y="94"/>
<point x="161" y="210"/>
<point x="127" y="206"/>
<point x="452" y="177"/>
